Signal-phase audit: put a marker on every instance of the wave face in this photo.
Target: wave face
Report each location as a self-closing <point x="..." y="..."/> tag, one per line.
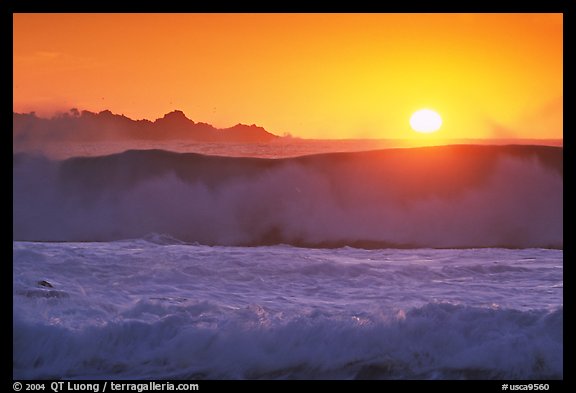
<point x="443" y="197"/>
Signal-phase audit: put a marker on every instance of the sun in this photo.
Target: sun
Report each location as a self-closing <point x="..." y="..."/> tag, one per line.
<point x="425" y="121"/>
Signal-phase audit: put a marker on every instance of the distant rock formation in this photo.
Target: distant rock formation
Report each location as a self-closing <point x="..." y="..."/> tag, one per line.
<point x="89" y="126"/>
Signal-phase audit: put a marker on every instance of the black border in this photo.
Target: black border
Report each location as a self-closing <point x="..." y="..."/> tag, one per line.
<point x="292" y="6"/>
<point x="8" y="7"/>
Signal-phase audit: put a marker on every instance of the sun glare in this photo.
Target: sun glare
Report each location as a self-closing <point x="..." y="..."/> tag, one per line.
<point x="425" y="121"/>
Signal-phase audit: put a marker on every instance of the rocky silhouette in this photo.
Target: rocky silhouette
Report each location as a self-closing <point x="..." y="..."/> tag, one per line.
<point x="88" y="126"/>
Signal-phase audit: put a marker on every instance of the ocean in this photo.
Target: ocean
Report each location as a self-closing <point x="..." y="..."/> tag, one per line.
<point x="439" y="262"/>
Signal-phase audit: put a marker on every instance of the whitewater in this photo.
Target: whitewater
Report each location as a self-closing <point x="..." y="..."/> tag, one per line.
<point x="153" y="308"/>
<point x="424" y="263"/>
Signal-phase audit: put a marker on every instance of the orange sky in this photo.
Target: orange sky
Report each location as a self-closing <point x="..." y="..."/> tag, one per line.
<point x="311" y="75"/>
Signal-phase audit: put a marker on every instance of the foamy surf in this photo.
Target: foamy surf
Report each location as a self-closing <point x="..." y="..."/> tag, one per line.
<point x="144" y="309"/>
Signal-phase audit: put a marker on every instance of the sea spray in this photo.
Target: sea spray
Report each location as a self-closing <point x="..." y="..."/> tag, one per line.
<point x="441" y="197"/>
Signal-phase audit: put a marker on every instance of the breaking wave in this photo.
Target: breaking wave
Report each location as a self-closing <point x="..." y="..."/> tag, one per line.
<point x="436" y="341"/>
<point x="443" y="197"/>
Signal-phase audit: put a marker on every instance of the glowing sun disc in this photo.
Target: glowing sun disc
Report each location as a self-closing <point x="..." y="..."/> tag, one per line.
<point x="425" y="121"/>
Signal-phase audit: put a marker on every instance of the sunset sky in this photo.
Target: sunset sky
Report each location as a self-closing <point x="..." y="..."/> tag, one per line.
<point x="310" y="75"/>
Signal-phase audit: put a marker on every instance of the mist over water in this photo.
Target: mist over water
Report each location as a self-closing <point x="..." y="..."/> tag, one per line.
<point x="443" y="197"/>
<point x="285" y="147"/>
